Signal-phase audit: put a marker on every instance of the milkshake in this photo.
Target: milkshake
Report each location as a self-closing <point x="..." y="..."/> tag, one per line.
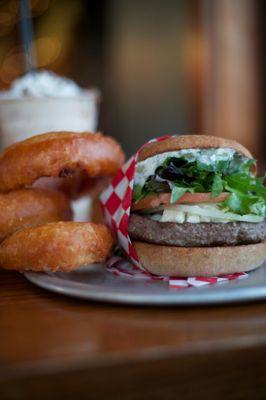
<point x="40" y="102"/>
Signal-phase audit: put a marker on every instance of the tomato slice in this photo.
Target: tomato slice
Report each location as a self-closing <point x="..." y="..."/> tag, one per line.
<point x="155" y="200"/>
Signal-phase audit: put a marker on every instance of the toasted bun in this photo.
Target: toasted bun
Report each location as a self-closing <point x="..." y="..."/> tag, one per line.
<point x="200" y="261"/>
<point x="190" y="142"/>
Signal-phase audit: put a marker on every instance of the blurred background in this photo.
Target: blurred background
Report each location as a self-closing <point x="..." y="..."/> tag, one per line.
<point x="162" y="66"/>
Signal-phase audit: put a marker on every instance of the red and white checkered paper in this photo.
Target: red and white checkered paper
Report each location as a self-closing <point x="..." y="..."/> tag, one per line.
<point x="116" y="204"/>
<point x="121" y="267"/>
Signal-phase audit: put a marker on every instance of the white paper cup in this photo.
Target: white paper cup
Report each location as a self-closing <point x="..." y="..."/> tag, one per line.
<point x="27" y="116"/>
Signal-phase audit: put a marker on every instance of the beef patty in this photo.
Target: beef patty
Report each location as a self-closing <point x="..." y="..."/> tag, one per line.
<point x="194" y="235"/>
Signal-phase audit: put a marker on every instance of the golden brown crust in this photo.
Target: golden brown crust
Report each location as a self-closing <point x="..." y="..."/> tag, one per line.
<point x="75" y="186"/>
<point x="200" y="261"/>
<point x="56" y="246"/>
<point x="190" y="142"/>
<point x="58" y="154"/>
<point x="31" y="207"/>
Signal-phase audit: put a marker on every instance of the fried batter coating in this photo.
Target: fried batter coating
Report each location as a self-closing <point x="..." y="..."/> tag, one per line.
<point x="75" y="186"/>
<point x="56" y="246"/>
<point x="58" y="154"/>
<point x="31" y="207"/>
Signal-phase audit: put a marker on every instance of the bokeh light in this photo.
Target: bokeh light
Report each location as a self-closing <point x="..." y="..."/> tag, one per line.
<point x="12" y="66"/>
<point x="47" y="50"/>
<point x="40" y="6"/>
<point x="7" y="22"/>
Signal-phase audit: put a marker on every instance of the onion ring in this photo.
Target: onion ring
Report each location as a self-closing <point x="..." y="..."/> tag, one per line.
<point x="58" y="154"/>
<point x="31" y="207"/>
<point x="56" y="246"/>
<point x="75" y="186"/>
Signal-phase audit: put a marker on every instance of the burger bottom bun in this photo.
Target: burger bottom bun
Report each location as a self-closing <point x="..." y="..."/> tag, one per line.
<point x="200" y="261"/>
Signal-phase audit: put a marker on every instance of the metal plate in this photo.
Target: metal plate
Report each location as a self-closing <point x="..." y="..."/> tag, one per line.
<point x="95" y="283"/>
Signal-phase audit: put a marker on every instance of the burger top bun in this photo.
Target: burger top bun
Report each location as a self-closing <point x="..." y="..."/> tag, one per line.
<point x="190" y="142"/>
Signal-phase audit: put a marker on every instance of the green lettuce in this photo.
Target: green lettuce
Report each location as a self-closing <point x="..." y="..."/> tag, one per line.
<point x="247" y="194"/>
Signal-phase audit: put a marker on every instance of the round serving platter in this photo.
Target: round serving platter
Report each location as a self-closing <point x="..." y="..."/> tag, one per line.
<point x="95" y="283"/>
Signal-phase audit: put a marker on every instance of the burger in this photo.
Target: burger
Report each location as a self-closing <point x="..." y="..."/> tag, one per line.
<point x="198" y="207"/>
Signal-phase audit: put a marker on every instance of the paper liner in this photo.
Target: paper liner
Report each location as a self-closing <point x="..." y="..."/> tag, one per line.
<point x="121" y="267"/>
<point x="116" y="204"/>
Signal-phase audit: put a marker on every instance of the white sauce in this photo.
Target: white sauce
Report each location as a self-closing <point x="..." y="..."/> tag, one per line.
<point x="146" y="168"/>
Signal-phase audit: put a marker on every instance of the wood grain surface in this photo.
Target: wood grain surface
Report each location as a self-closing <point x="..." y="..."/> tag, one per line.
<point x="53" y="347"/>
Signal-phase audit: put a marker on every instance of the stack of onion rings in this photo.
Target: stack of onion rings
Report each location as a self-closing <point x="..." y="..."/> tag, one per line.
<point x="31" y="237"/>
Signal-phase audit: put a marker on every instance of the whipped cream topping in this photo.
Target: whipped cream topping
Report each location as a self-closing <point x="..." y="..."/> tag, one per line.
<point x="41" y="84"/>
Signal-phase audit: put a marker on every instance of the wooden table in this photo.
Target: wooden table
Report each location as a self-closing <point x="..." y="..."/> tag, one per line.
<point x="54" y="347"/>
